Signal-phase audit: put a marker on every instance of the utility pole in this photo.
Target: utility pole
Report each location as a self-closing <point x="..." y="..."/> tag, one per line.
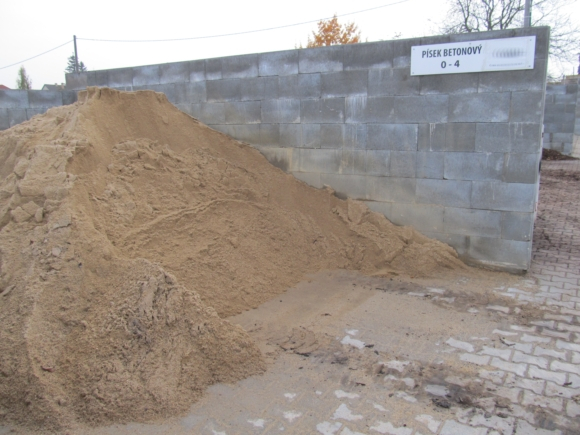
<point x="528" y="14"/>
<point x="76" y="56"/>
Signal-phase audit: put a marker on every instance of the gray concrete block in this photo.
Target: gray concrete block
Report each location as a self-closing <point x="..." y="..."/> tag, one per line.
<point x="16" y="116"/>
<point x="299" y="86"/>
<point x="321" y="59"/>
<point x="353" y="162"/>
<point x="197" y="71"/>
<point x="450" y="193"/>
<point x="279" y="63"/>
<point x="347" y="186"/>
<point x="98" y="78"/>
<point x="403" y="164"/>
<point x="37" y="99"/>
<point x="243" y="112"/>
<point x="496" y="195"/>
<point x="392" y="189"/>
<point x="471" y="222"/>
<point x="311" y="135"/>
<point x="420" y="216"/>
<point x="553" y="89"/>
<point x="504" y="137"/>
<point x="240" y="67"/>
<point x="565" y="99"/>
<point x="279" y="157"/>
<point x="290" y="135"/>
<point x="395" y="137"/>
<point x="430" y="165"/>
<point x="526" y="107"/>
<point x="318" y="160"/>
<point x="37" y="111"/>
<point x="177" y="72"/>
<point x="427" y="108"/>
<point x="270" y="135"/>
<point x="331" y="135"/>
<point x="213" y="69"/>
<point x="76" y="81"/>
<point x="521" y="80"/>
<point x="517" y="226"/>
<point x="344" y="83"/>
<point x="323" y="111"/>
<point x="457" y="241"/>
<point x="281" y="111"/>
<point x="383" y="208"/>
<point x="168" y="89"/>
<point x="249" y="133"/>
<point x="521" y="168"/>
<point x="369" y="55"/>
<point x="473" y="166"/>
<point x="190" y="92"/>
<point x="13" y="98"/>
<point x="185" y="108"/>
<point x="223" y="90"/>
<point x="392" y="81"/>
<point x="449" y="84"/>
<point x="402" y="52"/>
<point x="488" y="107"/>
<point x="447" y="137"/>
<point x="355" y="136"/>
<point x="146" y="75"/>
<point x="120" y="78"/>
<point x="431" y="137"/>
<point x="312" y="179"/>
<point x="209" y="113"/>
<point x="499" y="253"/>
<point x="378" y="162"/>
<point x="4" y="121"/>
<point x="259" y="88"/>
<point x="370" y="110"/>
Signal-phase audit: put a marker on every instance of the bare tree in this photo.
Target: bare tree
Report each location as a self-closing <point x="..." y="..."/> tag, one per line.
<point x="465" y="16"/>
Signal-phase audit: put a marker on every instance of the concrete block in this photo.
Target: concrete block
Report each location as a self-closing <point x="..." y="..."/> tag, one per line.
<point x="281" y="111"/>
<point x="378" y="162"/>
<point x="427" y="108"/>
<point x="422" y="217"/>
<point x="312" y="179"/>
<point x="520" y="80"/>
<point x="290" y="135"/>
<point x="450" y="193"/>
<point x="504" y="137"/>
<point x="517" y="226"/>
<point x="4" y="121"/>
<point x="240" y="67"/>
<point x="370" y="109"/>
<point x="521" y="168"/>
<point x="347" y="186"/>
<point x="449" y="84"/>
<point x="69" y="97"/>
<point x="270" y="135"/>
<point x="323" y="111"/>
<point x="565" y="99"/>
<point x="249" y="133"/>
<point x="383" y="208"/>
<point x="168" y="89"/>
<point x="457" y="241"/>
<point x="353" y="162"/>
<point x="177" y="72"/>
<point x="344" y="83"/>
<point x="259" y="88"/>
<point x="331" y="135"/>
<point x="403" y="164"/>
<point x="223" y="90"/>
<point x="369" y="55"/>
<point x="76" y="81"/>
<point x="392" y="81"/>
<point x="430" y="165"/>
<point x="197" y="71"/>
<point x="321" y="59"/>
<point x="496" y="195"/>
<point x="299" y="86"/>
<point x="190" y="92"/>
<point x="499" y="253"/>
<point x="146" y="75"/>
<point x="431" y="137"/>
<point x="311" y="135"/>
<point x="213" y="69"/>
<point x="98" y="78"/>
<point x="243" y="112"/>
<point x="487" y="107"/>
<point x="402" y="52"/>
<point x="279" y="157"/>
<point x="318" y="160"/>
<point x="185" y="108"/>
<point x="395" y="137"/>
<point x="473" y="166"/>
<point x="526" y="107"/>
<point x="553" y="89"/>
<point x="33" y="112"/>
<point x="471" y="222"/>
<point x="455" y="137"/>
<point x="392" y="189"/>
<point x="121" y="78"/>
<point x="16" y="116"/>
<point x="279" y="63"/>
<point x="355" y="136"/>
<point x="37" y="99"/>
<point x="209" y="113"/>
<point x="13" y="98"/>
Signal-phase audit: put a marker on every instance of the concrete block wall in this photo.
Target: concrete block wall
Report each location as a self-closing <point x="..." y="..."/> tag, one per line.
<point x="562" y="117"/>
<point x="456" y="155"/>
<point x="17" y="106"/>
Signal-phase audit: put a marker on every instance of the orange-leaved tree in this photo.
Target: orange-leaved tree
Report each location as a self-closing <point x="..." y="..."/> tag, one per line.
<point x="330" y="32"/>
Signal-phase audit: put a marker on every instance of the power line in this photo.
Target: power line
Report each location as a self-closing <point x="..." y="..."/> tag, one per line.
<point x="241" y="33"/>
<point x="38" y="55"/>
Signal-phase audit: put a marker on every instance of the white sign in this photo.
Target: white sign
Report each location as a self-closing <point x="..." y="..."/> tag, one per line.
<point x="474" y="56"/>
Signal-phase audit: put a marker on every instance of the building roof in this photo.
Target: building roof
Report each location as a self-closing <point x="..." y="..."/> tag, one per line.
<point x="2" y="87"/>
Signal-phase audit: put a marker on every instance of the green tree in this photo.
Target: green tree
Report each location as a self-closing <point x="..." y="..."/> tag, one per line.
<point x="70" y="68"/>
<point x="331" y="32"/>
<point x="22" y="80"/>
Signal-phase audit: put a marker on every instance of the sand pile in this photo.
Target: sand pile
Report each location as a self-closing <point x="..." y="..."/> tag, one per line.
<point x="128" y="230"/>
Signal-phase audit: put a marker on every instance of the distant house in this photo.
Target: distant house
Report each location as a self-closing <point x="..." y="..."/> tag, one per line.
<point x="54" y="87"/>
<point x="2" y="87"/>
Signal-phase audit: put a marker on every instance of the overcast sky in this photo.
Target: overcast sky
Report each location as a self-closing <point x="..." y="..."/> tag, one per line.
<point x="30" y="27"/>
